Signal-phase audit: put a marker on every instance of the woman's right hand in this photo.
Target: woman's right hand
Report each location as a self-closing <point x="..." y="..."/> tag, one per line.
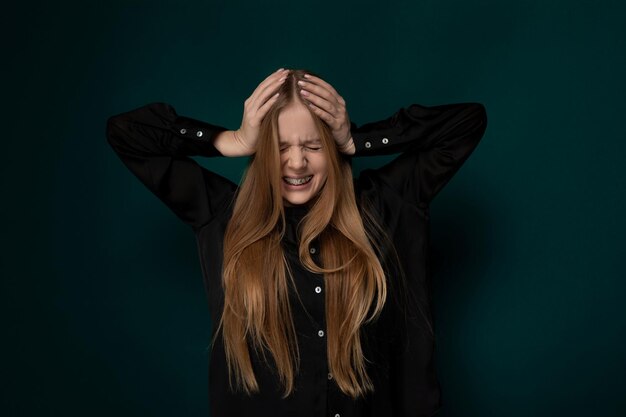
<point x="255" y="108"/>
<point x="243" y="141"/>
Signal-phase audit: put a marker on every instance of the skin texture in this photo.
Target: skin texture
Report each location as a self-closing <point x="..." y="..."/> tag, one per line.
<point x="301" y="154"/>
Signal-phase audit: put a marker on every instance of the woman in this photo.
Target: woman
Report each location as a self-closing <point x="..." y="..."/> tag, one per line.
<point x="319" y="282"/>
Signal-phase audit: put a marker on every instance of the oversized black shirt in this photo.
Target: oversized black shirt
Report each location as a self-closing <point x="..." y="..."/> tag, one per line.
<point x="155" y="144"/>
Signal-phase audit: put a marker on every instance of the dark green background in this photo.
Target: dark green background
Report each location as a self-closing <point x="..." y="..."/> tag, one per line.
<point x="104" y="311"/>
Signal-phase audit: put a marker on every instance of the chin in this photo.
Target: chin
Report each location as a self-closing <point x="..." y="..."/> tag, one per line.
<point x="299" y="200"/>
<point x="295" y="198"/>
<point x="296" y="201"/>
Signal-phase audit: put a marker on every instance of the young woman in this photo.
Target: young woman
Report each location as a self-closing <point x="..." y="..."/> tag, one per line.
<point x="318" y="282"/>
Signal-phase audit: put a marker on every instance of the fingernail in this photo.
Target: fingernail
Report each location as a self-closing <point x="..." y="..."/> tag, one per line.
<point x="307" y="76"/>
<point x="279" y="69"/>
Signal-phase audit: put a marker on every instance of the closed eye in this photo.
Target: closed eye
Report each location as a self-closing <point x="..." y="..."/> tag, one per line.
<point x="310" y="148"/>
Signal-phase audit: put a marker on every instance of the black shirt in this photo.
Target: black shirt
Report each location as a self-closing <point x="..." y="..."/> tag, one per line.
<point x="155" y="143"/>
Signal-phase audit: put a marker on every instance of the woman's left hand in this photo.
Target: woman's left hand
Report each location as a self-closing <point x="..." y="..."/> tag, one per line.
<point x="330" y="107"/>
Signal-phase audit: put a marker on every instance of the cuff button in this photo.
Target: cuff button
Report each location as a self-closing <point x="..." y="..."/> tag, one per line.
<point x="385" y="141"/>
<point x="199" y="134"/>
<point x="368" y="144"/>
<point x="183" y="131"/>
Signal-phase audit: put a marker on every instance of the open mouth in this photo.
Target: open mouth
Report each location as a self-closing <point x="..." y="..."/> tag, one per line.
<point x="297" y="181"/>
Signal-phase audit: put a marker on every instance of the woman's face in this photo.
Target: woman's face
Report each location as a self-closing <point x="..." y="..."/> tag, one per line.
<point x="303" y="161"/>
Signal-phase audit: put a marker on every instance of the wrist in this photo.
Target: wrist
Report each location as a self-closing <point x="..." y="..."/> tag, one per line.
<point x="348" y="147"/>
<point x="243" y="148"/>
<point x="228" y="143"/>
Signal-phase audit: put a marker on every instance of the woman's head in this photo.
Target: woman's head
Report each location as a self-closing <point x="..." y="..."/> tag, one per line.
<point x="301" y="146"/>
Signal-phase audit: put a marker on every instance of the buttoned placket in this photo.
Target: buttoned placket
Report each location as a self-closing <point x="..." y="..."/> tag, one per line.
<point x="318" y="290"/>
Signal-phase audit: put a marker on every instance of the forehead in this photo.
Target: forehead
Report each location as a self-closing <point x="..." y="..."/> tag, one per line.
<point x="296" y="125"/>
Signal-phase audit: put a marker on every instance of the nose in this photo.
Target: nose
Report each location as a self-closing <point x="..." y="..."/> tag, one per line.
<point x="296" y="158"/>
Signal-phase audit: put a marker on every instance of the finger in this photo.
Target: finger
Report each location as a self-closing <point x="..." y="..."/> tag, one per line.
<point x="334" y="104"/>
<point x="266" y="87"/>
<point x="325" y="116"/>
<point x="318" y="90"/>
<point x="268" y="93"/>
<point x="319" y="81"/>
<point x="332" y="121"/>
<point x="273" y="76"/>
<point x="266" y="106"/>
<point x="331" y="107"/>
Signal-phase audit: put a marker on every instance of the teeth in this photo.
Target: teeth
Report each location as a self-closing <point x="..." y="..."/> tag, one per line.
<point x="298" y="181"/>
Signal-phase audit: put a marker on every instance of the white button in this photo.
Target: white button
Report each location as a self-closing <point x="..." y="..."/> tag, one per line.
<point x="385" y="140"/>
<point x="320" y="333"/>
<point x="199" y="133"/>
<point x="318" y="289"/>
<point x="368" y="144"/>
<point x="330" y="376"/>
<point x="337" y="415"/>
<point x="183" y="131"/>
<point x="312" y="250"/>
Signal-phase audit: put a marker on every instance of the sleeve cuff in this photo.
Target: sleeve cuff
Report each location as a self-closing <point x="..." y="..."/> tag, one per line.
<point x="197" y="135"/>
<point x="373" y="142"/>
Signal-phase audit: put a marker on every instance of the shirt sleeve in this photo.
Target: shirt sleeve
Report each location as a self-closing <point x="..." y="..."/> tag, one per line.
<point x="433" y="141"/>
<point x="155" y="144"/>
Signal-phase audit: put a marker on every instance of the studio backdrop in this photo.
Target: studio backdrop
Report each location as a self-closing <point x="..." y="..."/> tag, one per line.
<point x="104" y="310"/>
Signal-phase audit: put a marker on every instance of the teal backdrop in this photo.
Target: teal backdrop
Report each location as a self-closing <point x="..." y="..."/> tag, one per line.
<point x="104" y="311"/>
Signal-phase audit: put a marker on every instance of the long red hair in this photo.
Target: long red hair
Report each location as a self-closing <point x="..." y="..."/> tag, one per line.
<point x="255" y="272"/>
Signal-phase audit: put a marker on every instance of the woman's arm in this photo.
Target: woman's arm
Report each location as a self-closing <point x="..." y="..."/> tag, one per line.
<point x="434" y="141"/>
<point x="155" y="143"/>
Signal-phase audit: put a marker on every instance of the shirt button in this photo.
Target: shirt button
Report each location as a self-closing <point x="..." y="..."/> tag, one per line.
<point x="312" y="250"/>
<point x="183" y="131"/>
<point x="385" y="140"/>
<point x="330" y="376"/>
<point x="199" y="133"/>
<point x="318" y="289"/>
<point x="368" y="144"/>
<point x="337" y="415"/>
<point x="320" y="333"/>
